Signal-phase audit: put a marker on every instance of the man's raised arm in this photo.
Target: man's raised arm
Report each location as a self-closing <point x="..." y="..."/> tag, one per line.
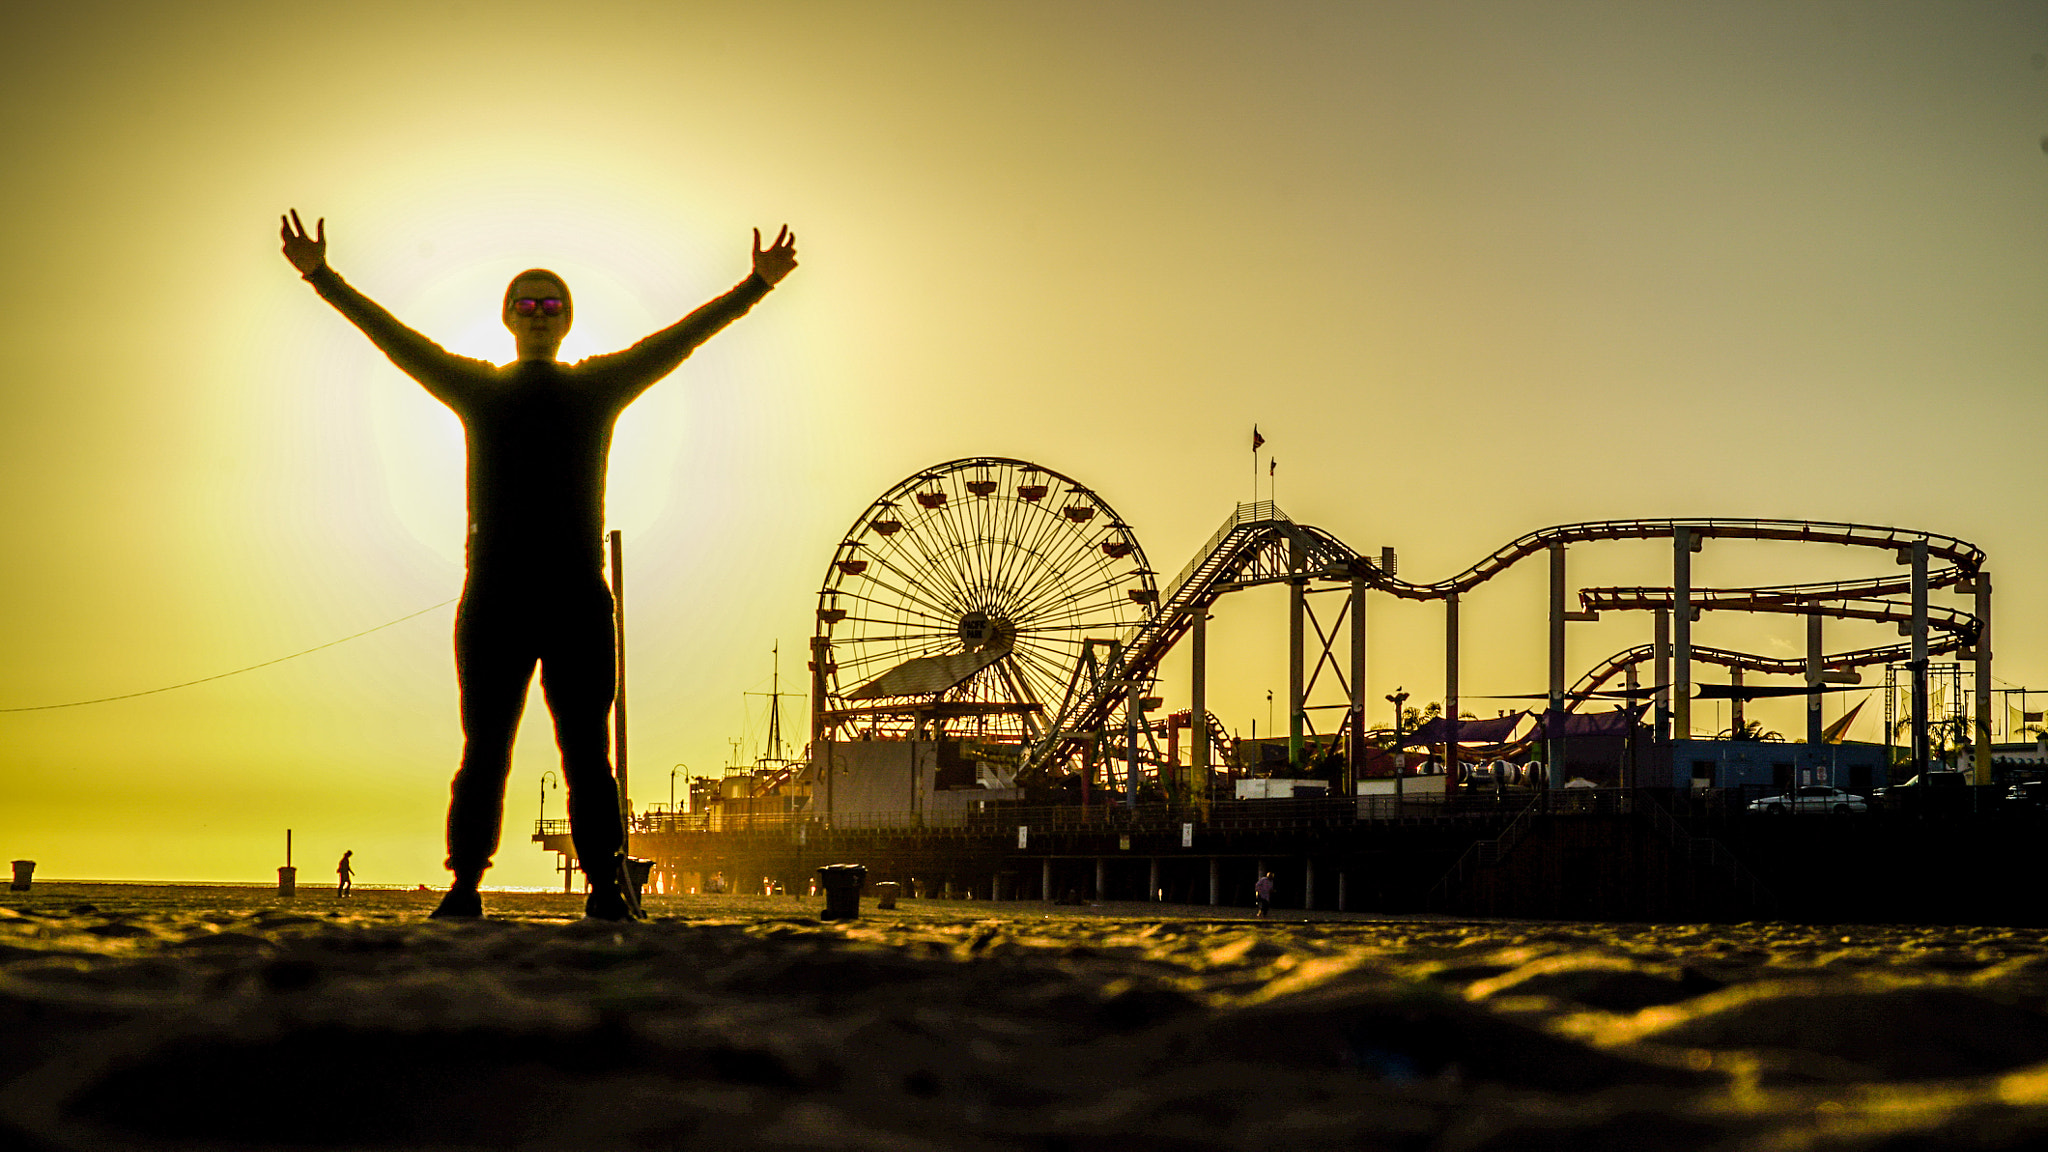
<point x="439" y="371"/>
<point x="638" y="367"/>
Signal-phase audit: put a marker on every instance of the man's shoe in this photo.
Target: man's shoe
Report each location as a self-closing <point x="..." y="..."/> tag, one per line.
<point x="610" y="903"/>
<point x="613" y="895"/>
<point x="459" y="904"/>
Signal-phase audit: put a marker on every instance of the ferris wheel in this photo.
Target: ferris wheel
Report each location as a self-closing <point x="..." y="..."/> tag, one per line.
<point x="961" y="601"/>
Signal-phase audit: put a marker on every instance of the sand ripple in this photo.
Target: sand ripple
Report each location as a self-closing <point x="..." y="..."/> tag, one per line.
<point x="232" y="1020"/>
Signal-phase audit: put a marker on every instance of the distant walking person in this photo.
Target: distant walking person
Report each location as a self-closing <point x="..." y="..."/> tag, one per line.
<point x="537" y="433"/>
<point x="1262" y="892"/>
<point x="347" y="874"/>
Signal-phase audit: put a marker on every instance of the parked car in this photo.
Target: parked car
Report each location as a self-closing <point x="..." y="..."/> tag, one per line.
<point x="1915" y="785"/>
<point x="2028" y="793"/>
<point x="1812" y="798"/>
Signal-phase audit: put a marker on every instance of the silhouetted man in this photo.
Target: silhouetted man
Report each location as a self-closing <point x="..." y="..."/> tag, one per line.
<point x="538" y="432"/>
<point x="344" y="874"/>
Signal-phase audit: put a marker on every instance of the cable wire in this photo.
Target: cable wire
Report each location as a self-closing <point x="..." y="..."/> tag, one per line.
<point x="236" y="672"/>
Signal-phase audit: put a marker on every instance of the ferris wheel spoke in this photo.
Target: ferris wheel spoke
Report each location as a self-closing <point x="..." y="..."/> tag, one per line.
<point x="904" y="637"/>
<point x="907" y="555"/>
<point x="946" y="534"/>
<point x="960" y="515"/>
<point x="1076" y="627"/>
<point x="910" y="595"/>
<point x="871" y="651"/>
<point x="866" y="667"/>
<point x="900" y="607"/>
<point x="1033" y="675"/>
<point x="1055" y="602"/>
<point x="1038" y="585"/>
<point x="1047" y="630"/>
<point x="987" y="511"/>
<point x="1060" y="572"/>
<point x="1046" y="653"/>
<point x="1026" y="529"/>
<point x="1048" y="530"/>
<point x="1049" y="677"/>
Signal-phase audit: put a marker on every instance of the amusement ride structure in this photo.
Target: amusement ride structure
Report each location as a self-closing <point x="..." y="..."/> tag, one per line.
<point x="999" y="601"/>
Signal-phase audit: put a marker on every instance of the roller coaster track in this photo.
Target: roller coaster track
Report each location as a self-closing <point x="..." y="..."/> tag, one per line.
<point x="1260" y="544"/>
<point x="1614" y="665"/>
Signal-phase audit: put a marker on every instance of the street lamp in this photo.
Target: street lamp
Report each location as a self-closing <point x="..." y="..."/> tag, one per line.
<point x="672" y="787"/>
<point x="1397" y="698"/>
<point x="546" y="778"/>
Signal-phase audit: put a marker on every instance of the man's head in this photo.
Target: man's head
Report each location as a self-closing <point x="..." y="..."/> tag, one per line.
<point x="538" y="312"/>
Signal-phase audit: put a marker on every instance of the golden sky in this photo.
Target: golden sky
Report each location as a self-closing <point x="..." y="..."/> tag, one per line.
<point x="1472" y="268"/>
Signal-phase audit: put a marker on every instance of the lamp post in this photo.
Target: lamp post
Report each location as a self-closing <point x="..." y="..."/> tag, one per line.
<point x="546" y="778"/>
<point x="1397" y="698"/>
<point x="672" y="787"/>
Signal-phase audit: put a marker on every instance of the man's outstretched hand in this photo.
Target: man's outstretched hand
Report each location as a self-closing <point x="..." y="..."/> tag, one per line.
<point x="771" y="263"/>
<point x="309" y="253"/>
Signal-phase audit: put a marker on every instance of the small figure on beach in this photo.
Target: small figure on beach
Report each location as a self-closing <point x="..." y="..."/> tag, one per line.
<point x="345" y="874"/>
<point x="1262" y="893"/>
<point x="537" y="433"/>
<point x="716" y="883"/>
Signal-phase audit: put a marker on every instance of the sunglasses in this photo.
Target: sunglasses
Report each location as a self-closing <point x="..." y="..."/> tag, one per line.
<point x="527" y="306"/>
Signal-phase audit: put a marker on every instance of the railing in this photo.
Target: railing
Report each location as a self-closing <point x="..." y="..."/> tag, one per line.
<point x="1254" y="513"/>
<point x="1483" y="853"/>
<point x="1717" y="857"/>
<point x="995" y="817"/>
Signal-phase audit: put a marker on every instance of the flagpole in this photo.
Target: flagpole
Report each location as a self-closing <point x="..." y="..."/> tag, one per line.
<point x="1257" y="440"/>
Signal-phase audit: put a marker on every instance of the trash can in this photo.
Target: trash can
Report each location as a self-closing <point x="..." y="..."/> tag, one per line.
<point x="24" y="871"/>
<point x="287" y="881"/>
<point x="637" y="872"/>
<point x="886" y="893"/>
<point x="842" y="884"/>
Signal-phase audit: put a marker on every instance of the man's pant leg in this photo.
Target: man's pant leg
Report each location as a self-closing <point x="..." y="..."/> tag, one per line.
<point x="494" y="660"/>
<point x="579" y="679"/>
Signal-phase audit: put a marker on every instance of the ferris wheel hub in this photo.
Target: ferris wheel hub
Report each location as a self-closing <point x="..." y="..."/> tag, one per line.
<point x="980" y="630"/>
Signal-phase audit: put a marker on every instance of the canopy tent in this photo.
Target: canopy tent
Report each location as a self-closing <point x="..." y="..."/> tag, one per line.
<point x="1437" y="730"/>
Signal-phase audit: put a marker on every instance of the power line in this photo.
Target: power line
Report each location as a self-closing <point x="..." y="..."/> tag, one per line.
<point x="236" y="672"/>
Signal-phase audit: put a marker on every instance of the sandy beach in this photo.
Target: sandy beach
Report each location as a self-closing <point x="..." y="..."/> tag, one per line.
<point x="160" y="1017"/>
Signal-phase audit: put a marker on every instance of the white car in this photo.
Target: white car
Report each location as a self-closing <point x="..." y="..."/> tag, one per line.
<point x="1812" y="798"/>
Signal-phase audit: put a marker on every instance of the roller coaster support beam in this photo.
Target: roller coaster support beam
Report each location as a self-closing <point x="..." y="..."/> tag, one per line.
<point x="1918" y="558"/>
<point x="1683" y="545"/>
<point x="821" y="754"/>
<point x="1297" y="607"/>
<point x="1134" y="707"/>
<point x="1660" y="652"/>
<point x="1553" y="752"/>
<point x="1450" y="694"/>
<point x="1198" y="712"/>
<point x="1982" y="587"/>
<point x="1816" y="654"/>
<point x="1355" y="736"/>
<point x="1736" y="717"/>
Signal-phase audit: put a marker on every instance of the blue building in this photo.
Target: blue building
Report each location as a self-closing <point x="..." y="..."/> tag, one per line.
<point x="1768" y="765"/>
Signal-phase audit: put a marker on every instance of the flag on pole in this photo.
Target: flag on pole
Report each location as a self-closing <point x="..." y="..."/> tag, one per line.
<point x="1258" y="441"/>
<point x="1840" y="728"/>
<point x="1272" y="466"/>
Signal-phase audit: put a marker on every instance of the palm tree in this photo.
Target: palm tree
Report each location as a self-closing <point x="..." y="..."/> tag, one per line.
<point x="1751" y="730"/>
